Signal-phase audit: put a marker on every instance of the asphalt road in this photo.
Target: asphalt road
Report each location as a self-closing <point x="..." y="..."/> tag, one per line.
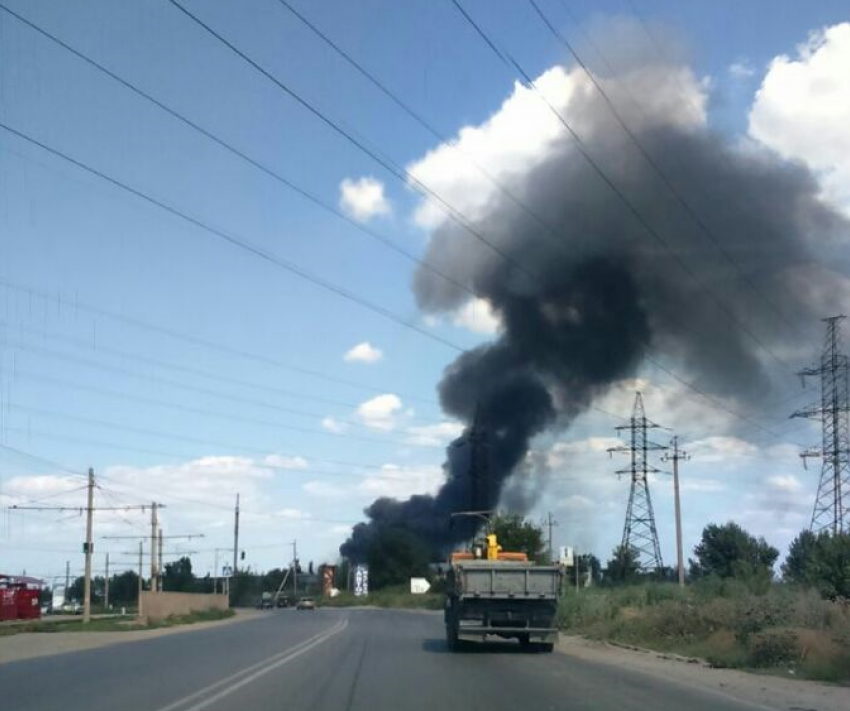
<point x="329" y="660"/>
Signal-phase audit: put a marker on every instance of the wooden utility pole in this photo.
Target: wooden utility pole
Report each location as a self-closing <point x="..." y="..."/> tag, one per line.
<point x="106" y="586"/>
<point x="576" y="561"/>
<point x="88" y="545"/>
<point x="236" y="535"/>
<point x="154" y="526"/>
<point x="141" y="574"/>
<point x="159" y="555"/>
<point x="551" y="523"/>
<point x="675" y="457"/>
<point x="295" y="568"/>
<point x="88" y="548"/>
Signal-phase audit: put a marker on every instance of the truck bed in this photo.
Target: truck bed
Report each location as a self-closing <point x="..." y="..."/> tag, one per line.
<point x="485" y="579"/>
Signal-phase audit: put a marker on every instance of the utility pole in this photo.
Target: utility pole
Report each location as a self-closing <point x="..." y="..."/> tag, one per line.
<point x="88" y="549"/>
<point x="576" y="559"/>
<point x="675" y="457"/>
<point x="67" y="578"/>
<point x="141" y="578"/>
<point x="550" y="523"/>
<point x="294" y="568"/>
<point x="832" y="504"/>
<point x="236" y="535"/>
<point x="159" y="554"/>
<point x="154" y="526"/>
<point x="106" y="586"/>
<point x="639" y="531"/>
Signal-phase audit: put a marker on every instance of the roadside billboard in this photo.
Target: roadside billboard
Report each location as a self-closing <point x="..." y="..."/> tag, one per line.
<point x="361" y="580"/>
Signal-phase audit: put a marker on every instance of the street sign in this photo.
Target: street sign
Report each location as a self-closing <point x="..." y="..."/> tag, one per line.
<point x="361" y="580"/>
<point x="419" y="586"/>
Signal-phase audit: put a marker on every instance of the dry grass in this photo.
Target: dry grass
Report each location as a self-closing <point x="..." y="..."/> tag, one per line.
<point x="782" y="629"/>
<point x="112" y="624"/>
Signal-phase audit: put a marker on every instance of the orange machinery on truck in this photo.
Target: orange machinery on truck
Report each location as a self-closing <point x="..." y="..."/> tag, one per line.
<point x="494" y="592"/>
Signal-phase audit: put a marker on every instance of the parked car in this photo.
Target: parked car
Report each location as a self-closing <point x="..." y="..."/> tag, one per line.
<point x="306" y="603"/>
<point x="71" y="608"/>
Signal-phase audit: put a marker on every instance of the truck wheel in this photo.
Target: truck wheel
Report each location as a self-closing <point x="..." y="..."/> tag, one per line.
<point x="524" y="642"/>
<point x="451" y="638"/>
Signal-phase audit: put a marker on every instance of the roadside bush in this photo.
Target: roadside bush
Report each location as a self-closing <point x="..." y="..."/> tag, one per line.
<point x="774" y="648"/>
<point x="722" y="622"/>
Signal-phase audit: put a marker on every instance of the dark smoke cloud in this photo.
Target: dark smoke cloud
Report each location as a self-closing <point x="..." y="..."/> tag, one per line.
<point x="594" y="298"/>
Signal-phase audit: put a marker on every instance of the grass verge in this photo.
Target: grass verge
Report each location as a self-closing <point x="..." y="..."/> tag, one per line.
<point x="113" y="624"/>
<point x="390" y="598"/>
<point x="784" y="630"/>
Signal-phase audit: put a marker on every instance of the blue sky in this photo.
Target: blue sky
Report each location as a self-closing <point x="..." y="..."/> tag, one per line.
<point x="82" y="263"/>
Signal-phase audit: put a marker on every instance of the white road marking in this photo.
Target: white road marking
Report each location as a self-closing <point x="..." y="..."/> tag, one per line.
<point x="254" y="671"/>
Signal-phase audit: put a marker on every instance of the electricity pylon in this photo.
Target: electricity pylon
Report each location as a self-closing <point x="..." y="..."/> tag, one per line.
<point x="832" y="503"/>
<point x="639" y="532"/>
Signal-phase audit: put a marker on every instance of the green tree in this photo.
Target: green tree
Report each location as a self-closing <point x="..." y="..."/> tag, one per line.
<point x="516" y="534"/>
<point x="178" y="576"/>
<point x="624" y="566"/>
<point x="75" y="590"/>
<point x="394" y="556"/>
<point x="728" y="551"/>
<point x="589" y="563"/>
<point x="820" y="561"/>
<point x="124" y="588"/>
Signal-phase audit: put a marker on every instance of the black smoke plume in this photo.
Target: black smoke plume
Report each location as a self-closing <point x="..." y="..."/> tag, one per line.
<point x="597" y="291"/>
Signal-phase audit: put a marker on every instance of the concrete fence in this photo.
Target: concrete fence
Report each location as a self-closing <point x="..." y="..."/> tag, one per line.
<point x="156" y="606"/>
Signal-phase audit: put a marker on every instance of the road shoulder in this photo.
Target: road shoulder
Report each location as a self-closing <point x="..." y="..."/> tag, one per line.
<point x="769" y="692"/>
<point x="29" y="645"/>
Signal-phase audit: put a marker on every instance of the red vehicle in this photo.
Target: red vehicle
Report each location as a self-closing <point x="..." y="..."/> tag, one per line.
<point x="19" y="597"/>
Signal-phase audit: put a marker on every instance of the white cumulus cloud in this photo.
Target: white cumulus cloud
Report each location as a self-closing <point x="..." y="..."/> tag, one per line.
<point x="363" y="353"/>
<point x="363" y="198"/>
<point x="434" y="435"/>
<point x="332" y="425"/>
<point x="277" y="461"/>
<point x="380" y="411"/>
<point x="403" y="482"/>
<point x="521" y="133"/>
<point x="323" y="489"/>
<point x="802" y="109"/>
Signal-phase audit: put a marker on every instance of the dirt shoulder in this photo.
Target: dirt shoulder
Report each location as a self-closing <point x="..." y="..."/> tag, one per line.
<point x="762" y="691"/>
<point x="29" y="645"/>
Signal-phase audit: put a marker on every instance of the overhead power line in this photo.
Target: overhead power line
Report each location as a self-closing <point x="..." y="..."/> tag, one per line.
<point x="101" y="349"/>
<point x="103" y="444"/>
<point x="582" y="149"/>
<point x="203" y="342"/>
<point x="194" y="440"/>
<point x="397" y="171"/>
<point x="239" y="242"/>
<point x="423" y="122"/>
<point x="42" y="460"/>
<point x="656" y="167"/>
<point x="276" y="175"/>
<point x="230" y="397"/>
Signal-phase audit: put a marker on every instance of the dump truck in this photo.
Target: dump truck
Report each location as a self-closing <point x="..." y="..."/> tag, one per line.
<point x="493" y="592"/>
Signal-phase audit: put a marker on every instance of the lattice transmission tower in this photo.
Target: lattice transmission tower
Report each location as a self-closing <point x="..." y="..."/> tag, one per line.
<point x="832" y="504"/>
<point x="639" y="532"/>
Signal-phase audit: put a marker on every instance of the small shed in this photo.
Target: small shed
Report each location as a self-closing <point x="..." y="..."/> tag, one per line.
<point x="19" y="597"/>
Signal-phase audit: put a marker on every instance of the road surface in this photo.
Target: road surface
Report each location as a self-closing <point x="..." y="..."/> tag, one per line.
<point x="333" y="660"/>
